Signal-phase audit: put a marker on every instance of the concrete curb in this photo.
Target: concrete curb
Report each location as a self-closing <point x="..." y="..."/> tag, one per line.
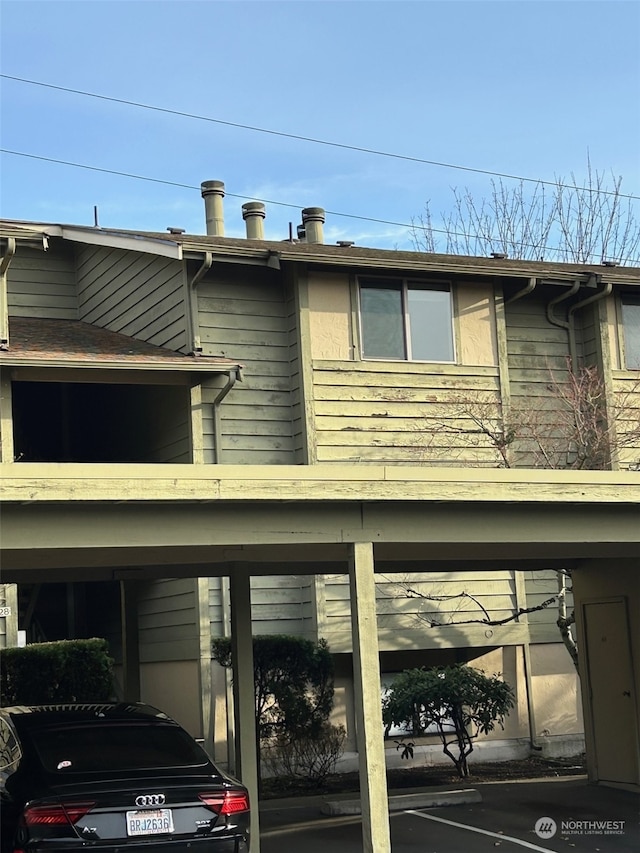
<point x="400" y="802"/>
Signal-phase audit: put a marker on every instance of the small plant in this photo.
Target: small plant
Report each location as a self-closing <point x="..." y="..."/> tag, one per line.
<point x="459" y="702"/>
<point x="299" y="755"/>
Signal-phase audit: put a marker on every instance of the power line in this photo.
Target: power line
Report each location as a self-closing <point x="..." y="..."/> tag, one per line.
<point x="191" y="186"/>
<point x="409" y="226"/>
<point x="313" y="140"/>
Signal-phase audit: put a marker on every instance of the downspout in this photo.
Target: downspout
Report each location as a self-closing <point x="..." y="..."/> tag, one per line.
<point x="565" y="324"/>
<point x="233" y="376"/>
<point x="595" y="297"/>
<point x="4" y="308"/>
<point x="194" y="321"/>
<point x="207" y="709"/>
<point x="568" y="324"/>
<point x="217" y="419"/>
<point x="526" y="290"/>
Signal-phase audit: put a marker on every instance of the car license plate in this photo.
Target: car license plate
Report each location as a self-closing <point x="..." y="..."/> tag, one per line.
<point x="155" y="822"/>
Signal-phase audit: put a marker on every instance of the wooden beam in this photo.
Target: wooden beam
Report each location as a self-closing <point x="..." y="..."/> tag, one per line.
<point x="130" y="644"/>
<point x="366" y="676"/>
<point x="244" y="693"/>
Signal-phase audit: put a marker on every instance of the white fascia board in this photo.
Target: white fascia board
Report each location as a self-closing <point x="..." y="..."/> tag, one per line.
<point x="115" y="240"/>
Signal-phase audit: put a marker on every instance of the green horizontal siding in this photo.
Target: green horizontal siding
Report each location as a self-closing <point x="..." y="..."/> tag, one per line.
<point x="42" y="284"/>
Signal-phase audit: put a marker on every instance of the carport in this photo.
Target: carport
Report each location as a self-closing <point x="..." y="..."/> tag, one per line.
<point x="67" y="522"/>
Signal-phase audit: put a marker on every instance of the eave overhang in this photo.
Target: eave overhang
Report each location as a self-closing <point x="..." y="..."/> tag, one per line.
<point x="39" y="235"/>
<point x="45" y="344"/>
<point x="271" y="253"/>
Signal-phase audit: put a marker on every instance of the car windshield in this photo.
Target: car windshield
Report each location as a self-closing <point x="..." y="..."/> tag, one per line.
<point x="115" y="746"/>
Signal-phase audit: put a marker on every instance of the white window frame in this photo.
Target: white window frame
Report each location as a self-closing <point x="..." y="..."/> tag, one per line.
<point x="630" y="299"/>
<point x="406" y="283"/>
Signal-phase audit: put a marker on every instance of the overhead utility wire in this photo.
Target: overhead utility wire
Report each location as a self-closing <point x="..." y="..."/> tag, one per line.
<point x="271" y="201"/>
<point x="312" y="139"/>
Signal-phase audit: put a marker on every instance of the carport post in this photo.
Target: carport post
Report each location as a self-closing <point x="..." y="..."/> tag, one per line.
<point x="130" y="641"/>
<point x="366" y="676"/>
<point x="244" y="692"/>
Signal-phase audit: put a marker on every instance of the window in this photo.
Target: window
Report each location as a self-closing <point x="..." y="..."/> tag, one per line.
<point x="406" y="320"/>
<point x="97" y="748"/>
<point x="631" y="330"/>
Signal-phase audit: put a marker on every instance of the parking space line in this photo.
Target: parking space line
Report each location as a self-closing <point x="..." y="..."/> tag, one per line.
<point x="519" y="841"/>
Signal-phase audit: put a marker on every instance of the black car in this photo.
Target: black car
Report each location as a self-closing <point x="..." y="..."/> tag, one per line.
<point x="113" y="777"/>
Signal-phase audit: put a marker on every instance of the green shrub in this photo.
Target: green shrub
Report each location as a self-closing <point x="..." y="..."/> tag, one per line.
<point x="459" y="702"/>
<point x="64" y="671"/>
<point x="293" y="682"/>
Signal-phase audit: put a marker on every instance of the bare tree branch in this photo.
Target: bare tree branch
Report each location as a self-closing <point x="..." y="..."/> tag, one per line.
<point x="586" y="222"/>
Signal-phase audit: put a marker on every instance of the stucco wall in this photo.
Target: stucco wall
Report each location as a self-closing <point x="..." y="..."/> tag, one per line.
<point x="331" y="321"/>
<point x="557" y="709"/>
<point x="556" y="691"/>
<point x="477" y="325"/>
<point x="173" y="687"/>
<point x="330" y="316"/>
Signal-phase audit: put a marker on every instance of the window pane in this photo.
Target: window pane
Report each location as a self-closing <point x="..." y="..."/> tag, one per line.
<point x="430" y="329"/>
<point x="115" y="747"/>
<point x="382" y="322"/>
<point x="631" y="324"/>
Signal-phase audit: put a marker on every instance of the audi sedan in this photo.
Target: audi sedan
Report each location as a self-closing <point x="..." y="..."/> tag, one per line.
<point x="113" y="777"/>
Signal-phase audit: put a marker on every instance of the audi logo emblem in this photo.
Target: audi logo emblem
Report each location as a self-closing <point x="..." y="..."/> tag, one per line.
<point x="150" y="800"/>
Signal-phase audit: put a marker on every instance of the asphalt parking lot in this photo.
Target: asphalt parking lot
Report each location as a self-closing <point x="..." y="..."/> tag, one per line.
<point x="569" y="815"/>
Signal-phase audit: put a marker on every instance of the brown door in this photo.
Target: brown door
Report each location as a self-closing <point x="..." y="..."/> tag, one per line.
<point x="611" y="689"/>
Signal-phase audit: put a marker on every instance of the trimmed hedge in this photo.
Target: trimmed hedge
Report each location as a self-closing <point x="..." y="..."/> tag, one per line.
<point x="60" y="672"/>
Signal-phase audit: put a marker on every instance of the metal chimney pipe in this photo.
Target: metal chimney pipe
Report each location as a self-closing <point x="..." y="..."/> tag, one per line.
<point x="313" y="220"/>
<point x="213" y="193"/>
<point x="253" y="215"/>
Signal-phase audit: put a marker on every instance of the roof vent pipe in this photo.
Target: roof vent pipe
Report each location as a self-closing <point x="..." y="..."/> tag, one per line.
<point x="213" y="193"/>
<point x="253" y="215"/>
<point x="313" y="221"/>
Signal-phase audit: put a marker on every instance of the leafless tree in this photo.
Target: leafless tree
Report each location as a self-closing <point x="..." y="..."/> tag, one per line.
<point x="579" y="429"/>
<point x="564" y="220"/>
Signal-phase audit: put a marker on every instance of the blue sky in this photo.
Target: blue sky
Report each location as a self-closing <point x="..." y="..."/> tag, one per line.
<point x="524" y="88"/>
